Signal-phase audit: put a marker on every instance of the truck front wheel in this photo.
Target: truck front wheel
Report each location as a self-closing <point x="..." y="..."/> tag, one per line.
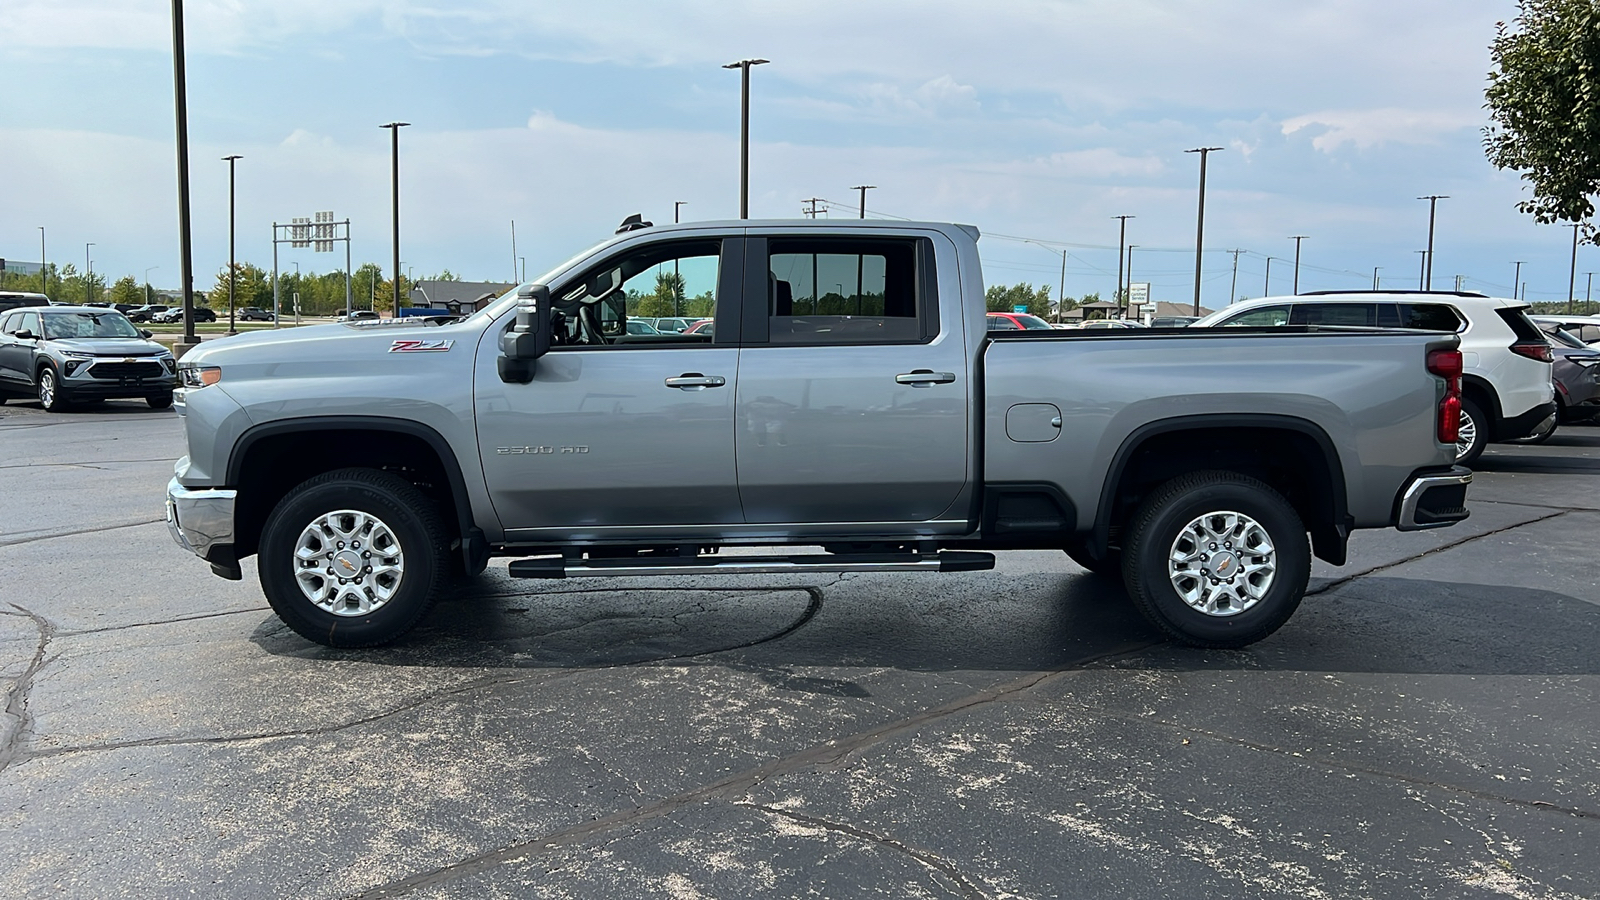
<point x="1216" y="559"/>
<point x="353" y="558"/>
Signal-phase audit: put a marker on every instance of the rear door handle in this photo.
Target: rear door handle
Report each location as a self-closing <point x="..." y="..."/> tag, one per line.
<point x="925" y="377"/>
<point x="694" y="381"/>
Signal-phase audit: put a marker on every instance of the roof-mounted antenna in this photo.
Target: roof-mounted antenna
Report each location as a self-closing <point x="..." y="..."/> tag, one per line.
<point x="632" y="223"/>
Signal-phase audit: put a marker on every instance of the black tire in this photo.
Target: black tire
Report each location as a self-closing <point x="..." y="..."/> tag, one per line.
<point x="1470" y="412"/>
<point x="1155" y="530"/>
<point x="1110" y="567"/>
<point x="160" y="401"/>
<point x="416" y="527"/>
<point x="48" y="385"/>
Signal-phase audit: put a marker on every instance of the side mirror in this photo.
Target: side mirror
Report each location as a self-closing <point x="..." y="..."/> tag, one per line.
<point x="146" y="333"/>
<point x="529" y="337"/>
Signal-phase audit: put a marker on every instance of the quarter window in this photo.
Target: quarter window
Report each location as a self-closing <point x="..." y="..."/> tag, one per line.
<point x="1429" y="317"/>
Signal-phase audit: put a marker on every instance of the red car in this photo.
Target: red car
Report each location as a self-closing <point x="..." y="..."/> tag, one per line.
<point x="704" y="326"/>
<point x="1010" y="321"/>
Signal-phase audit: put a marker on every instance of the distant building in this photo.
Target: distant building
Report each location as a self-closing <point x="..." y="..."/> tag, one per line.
<point x="20" y="267"/>
<point x="456" y="296"/>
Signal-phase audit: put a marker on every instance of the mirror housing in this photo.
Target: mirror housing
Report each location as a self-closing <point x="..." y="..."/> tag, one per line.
<point x="146" y="333"/>
<point x="25" y="335"/>
<point x="529" y="338"/>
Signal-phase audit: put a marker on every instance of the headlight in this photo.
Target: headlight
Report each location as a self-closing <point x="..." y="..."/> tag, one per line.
<point x="199" y="376"/>
<point x="77" y="354"/>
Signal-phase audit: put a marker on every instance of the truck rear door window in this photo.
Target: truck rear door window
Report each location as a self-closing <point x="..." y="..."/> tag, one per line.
<point x="847" y="291"/>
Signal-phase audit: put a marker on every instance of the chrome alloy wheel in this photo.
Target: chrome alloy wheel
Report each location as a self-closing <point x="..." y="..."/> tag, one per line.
<point x="47" y="387"/>
<point x="1466" y="434"/>
<point x="348" y="563"/>
<point x="1222" y="563"/>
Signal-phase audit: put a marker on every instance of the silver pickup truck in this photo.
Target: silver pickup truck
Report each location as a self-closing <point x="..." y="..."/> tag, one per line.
<point x="845" y="397"/>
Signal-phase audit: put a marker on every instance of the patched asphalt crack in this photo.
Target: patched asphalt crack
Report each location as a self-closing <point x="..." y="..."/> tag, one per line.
<point x="1346" y="579"/>
<point x="96" y="464"/>
<point x="818" y="757"/>
<point x="4" y="542"/>
<point x="967" y="887"/>
<point x="813" y="605"/>
<point x="159" y="622"/>
<point x="1330" y="763"/>
<point x="19" y="719"/>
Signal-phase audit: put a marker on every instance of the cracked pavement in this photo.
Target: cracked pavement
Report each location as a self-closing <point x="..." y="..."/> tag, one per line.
<point x="1425" y="726"/>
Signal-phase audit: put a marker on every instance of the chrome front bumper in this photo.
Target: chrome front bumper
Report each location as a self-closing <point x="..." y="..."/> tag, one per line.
<point x="200" y="519"/>
<point x="1434" y="501"/>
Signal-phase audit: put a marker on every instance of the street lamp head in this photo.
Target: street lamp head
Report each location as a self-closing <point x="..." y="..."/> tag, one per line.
<point x="746" y="62"/>
<point x="232" y="157"/>
<point x="395" y="125"/>
<point x="1203" y="149"/>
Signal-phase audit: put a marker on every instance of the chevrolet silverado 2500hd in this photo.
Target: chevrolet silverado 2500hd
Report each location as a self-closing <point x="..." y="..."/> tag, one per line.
<point x="847" y="397"/>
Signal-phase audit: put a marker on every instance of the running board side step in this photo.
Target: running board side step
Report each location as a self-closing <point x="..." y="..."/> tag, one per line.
<point x="562" y="567"/>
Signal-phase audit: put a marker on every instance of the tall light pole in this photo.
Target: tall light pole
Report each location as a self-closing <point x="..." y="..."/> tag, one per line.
<point x="1297" y="239"/>
<point x="1122" y="249"/>
<point x="1200" y="222"/>
<point x="743" y="66"/>
<point x="1433" y="201"/>
<point x="180" y="91"/>
<point x="1127" y="290"/>
<point x="1422" y="269"/>
<point x="514" y="256"/>
<point x="1233" y="284"/>
<point x="1587" y="292"/>
<point x="1266" y="286"/>
<point x="863" y="188"/>
<point x="147" y="272"/>
<point x="1375" y="276"/>
<point x="88" y="278"/>
<point x="233" y="276"/>
<point x="44" y="267"/>
<point x="1572" y="278"/>
<point x="394" y="161"/>
<point x="675" y="206"/>
<point x="1516" y="277"/>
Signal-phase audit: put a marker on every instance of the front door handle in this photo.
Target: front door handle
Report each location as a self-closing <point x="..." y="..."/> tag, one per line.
<point x="694" y="381"/>
<point x="925" y="377"/>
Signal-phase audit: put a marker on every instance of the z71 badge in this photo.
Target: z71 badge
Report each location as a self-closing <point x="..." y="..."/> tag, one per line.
<point x="414" y="346"/>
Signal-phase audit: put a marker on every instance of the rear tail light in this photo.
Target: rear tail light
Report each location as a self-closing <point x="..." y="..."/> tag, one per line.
<point x="1447" y="365"/>
<point x="1533" y="350"/>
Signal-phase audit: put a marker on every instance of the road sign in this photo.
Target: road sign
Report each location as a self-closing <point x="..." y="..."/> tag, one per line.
<point x="1138" y="293"/>
<point x="1019" y="309"/>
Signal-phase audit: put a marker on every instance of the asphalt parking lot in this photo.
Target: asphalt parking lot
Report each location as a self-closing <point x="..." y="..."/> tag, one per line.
<point x="1427" y="724"/>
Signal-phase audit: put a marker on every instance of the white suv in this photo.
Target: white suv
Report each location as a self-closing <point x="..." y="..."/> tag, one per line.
<point x="1506" y="385"/>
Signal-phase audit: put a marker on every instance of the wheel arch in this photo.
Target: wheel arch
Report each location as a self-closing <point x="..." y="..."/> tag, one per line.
<point x="269" y="459"/>
<point x="1478" y="389"/>
<point x="1241" y="442"/>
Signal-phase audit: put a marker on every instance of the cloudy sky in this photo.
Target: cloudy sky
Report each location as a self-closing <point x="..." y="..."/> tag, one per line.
<point x="1032" y="119"/>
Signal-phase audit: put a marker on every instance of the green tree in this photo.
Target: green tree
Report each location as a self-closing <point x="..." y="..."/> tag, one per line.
<point x="1000" y="298"/>
<point x="127" y="290"/>
<point x="665" y="300"/>
<point x="1544" y="104"/>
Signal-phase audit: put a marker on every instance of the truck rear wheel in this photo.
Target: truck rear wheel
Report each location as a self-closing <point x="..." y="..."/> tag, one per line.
<point x="353" y="558"/>
<point x="1216" y="559"/>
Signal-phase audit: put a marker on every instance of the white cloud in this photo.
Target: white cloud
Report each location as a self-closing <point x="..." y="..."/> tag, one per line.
<point x="1367" y="128"/>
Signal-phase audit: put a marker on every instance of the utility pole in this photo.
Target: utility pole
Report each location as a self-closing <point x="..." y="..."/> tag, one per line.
<point x="1233" y="286"/>
<point x="394" y="158"/>
<point x="514" y="256"/>
<point x="1127" y="292"/>
<point x="232" y="275"/>
<point x="1572" y="278"/>
<point x="812" y="212"/>
<point x="1458" y="283"/>
<point x="1297" y="239"/>
<point x="1587" y="291"/>
<point x="743" y="66"/>
<point x="863" y="188"/>
<point x="180" y="92"/>
<point x="1433" y="201"/>
<point x="1200" y="222"/>
<point x="1122" y="238"/>
<point x="1516" y="277"/>
<point x="44" y="266"/>
<point x="88" y="278"/>
<point x="1375" y="276"/>
<point x="1422" y="271"/>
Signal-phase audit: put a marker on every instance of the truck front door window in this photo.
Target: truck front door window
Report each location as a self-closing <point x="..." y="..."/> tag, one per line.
<point x="662" y="280"/>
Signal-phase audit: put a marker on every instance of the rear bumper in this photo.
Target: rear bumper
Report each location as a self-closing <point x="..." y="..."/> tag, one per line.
<point x="1433" y="500"/>
<point x="1529" y="422"/>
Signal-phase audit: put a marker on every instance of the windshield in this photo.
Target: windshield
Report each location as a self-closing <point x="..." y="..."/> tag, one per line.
<point x="108" y="324"/>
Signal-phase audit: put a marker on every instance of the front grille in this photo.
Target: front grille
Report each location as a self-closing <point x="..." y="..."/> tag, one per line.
<point x="120" y="370"/>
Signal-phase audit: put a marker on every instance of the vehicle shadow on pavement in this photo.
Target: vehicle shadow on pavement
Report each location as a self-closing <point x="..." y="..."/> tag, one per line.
<point x="32" y="410"/>
<point x="1026" y="623"/>
<point x="1537" y="465"/>
<point x="1409" y="626"/>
